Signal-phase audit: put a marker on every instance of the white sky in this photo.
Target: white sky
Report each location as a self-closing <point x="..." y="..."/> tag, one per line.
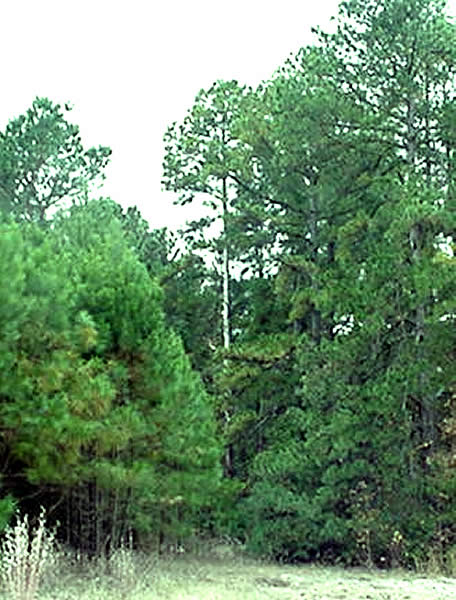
<point x="132" y="68"/>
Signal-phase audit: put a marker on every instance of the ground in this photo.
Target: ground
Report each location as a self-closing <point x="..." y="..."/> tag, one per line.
<point x="250" y="580"/>
<point x="228" y="576"/>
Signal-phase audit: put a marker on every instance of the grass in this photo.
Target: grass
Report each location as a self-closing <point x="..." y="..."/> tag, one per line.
<point x="34" y="568"/>
<point x="184" y="578"/>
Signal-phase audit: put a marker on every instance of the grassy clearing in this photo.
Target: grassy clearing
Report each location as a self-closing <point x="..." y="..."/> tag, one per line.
<point x="144" y="577"/>
<point x="33" y="568"/>
<point x="237" y="579"/>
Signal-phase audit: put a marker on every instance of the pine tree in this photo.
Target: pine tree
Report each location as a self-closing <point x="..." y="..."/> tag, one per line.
<point x="43" y="164"/>
<point x="359" y="191"/>
<point x="101" y="414"/>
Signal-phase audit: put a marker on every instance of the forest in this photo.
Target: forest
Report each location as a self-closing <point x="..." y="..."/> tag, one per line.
<point x="280" y="372"/>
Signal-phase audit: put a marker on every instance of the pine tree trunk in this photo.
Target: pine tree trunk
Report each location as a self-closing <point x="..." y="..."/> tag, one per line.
<point x="426" y="422"/>
<point x="316" y="314"/>
<point x="228" y="461"/>
<point x="225" y="274"/>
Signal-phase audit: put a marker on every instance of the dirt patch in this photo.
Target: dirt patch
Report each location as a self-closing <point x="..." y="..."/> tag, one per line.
<point x="254" y="581"/>
<point x="318" y="583"/>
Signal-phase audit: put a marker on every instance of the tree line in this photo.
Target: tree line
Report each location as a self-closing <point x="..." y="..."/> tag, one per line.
<point x="288" y="381"/>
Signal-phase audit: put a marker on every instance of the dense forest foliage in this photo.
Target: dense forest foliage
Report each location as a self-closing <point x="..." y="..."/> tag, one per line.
<point x="289" y="380"/>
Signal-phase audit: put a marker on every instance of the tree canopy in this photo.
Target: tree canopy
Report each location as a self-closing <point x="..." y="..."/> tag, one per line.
<point x="286" y="378"/>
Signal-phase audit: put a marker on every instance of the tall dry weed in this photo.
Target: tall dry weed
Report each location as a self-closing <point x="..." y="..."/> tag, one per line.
<point x="27" y="554"/>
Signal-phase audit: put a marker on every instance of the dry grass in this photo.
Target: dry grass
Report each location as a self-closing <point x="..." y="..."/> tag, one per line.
<point x="225" y="574"/>
<point x="140" y="577"/>
<point x="249" y="580"/>
<point x="26" y="556"/>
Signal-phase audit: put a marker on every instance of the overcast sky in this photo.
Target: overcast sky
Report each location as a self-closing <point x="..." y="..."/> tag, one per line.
<point x="132" y="68"/>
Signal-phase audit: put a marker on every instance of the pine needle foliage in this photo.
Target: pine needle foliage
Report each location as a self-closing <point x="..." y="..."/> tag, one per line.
<point x="98" y="398"/>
